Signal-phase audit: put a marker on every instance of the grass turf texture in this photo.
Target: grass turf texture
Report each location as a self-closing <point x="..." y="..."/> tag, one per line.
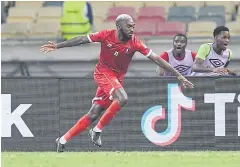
<point x="121" y="159"/>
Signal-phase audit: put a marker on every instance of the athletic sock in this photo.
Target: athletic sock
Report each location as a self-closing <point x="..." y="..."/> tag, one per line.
<point x="79" y="127"/>
<point x="107" y="116"/>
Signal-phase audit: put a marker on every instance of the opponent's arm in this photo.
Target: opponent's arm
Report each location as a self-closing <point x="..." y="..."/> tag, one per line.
<point x="198" y="66"/>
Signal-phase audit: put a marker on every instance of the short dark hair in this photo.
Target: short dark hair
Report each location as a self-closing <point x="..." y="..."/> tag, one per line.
<point x="219" y="29"/>
<point x="181" y="35"/>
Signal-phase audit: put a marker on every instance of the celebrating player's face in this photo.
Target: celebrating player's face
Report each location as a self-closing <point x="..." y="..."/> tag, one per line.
<point x="179" y="44"/>
<point x="127" y="29"/>
<point x="222" y="40"/>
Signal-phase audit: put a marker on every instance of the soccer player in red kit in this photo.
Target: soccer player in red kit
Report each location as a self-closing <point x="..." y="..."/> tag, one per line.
<point x="178" y="57"/>
<point x="117" y="49"/>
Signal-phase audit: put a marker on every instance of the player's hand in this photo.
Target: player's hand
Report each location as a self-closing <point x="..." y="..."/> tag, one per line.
<point x="230" y="72"/>
<point x="51" y="46"/>
<point x="185" y="82"/>
<point x="222" y="71"/>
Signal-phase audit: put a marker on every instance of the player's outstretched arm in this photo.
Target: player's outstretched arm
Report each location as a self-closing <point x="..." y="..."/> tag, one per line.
<point x="51" y="46"/>
<point x="165" y="65"/>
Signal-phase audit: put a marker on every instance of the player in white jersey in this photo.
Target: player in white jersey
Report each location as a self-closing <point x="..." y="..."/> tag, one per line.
<point x="213" y="58"/>
<point x="178" y="57"/>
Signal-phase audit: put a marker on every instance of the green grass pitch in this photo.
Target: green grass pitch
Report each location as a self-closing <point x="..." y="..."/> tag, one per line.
<point x="121" y="159"/>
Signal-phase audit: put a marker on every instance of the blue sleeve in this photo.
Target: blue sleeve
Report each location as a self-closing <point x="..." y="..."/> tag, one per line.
<point x="89" y="13"/>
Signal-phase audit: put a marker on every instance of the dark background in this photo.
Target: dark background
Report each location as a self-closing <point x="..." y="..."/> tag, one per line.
<point x="57" y="104"/>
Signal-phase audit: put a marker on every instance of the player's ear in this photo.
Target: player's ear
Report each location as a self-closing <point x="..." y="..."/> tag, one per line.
<point x="118" y="27"/>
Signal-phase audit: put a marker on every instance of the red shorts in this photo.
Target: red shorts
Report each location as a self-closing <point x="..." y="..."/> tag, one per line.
<point x="107" y="82"/>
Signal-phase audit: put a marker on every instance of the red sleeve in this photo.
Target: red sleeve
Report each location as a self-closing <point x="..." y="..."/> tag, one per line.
<point x="194" y="55"/>
<point x="164" y="56"/>
<point x="141" y="47"/>
<point x="97" y="36"/>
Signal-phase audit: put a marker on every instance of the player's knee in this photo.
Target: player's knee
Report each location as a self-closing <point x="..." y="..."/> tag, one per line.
<point x="123" y="100"/>
<point x="95" y="111"/>
<point x="92" y="116"/>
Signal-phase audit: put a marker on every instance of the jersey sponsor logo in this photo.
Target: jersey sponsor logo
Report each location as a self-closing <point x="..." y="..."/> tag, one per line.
<point x="182" y="68"/>
<point x="216" y="62"/>
<point x="109" y="45"/>
<point x="115" y="53"/>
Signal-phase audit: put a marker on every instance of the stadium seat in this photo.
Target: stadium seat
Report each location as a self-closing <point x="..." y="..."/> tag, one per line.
<point x="100" y="11"/>
<point x="15" y="30"/>
<point x="31" y="4"/>
<point x="105" y="25"/>
<point x="184" y="14"/>
<point x="165" y="4"/>
<point x="212" y="13"/>
<point x="234" y="28"/>
<point x="201" y="29"/>
<point x="152" y="13"/>
<point x="170" y="28"/>
<point x="53" y="3"/>
<point x="45" y="30"/>
<point x="229" y="5"/>
<point x="196" y="4"/>
<point x="142" y="27"/>
<point x="22" y="15"/>
<point x="135" y="4"/>
<point x="49" y="14"/>
<point x="115" y="11"/>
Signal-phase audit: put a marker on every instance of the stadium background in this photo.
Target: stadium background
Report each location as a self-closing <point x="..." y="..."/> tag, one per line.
<point x="28" y="25"/>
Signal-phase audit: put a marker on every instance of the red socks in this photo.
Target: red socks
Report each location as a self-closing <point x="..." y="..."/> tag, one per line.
<point x="107" y="116"/>
<point x="79" y="127"/>
<point x="84" y="122"/>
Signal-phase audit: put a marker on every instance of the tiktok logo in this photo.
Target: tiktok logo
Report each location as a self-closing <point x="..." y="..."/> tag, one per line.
<point x="176" y="100"/>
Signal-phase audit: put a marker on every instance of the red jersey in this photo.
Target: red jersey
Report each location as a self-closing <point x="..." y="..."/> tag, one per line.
<point x="115" y="54"/>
